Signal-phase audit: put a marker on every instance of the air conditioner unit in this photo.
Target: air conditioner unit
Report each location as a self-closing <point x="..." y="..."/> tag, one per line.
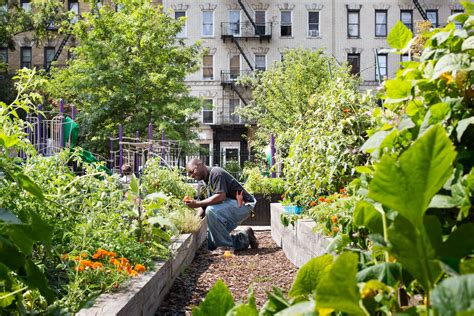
<point x="313" y="33"/>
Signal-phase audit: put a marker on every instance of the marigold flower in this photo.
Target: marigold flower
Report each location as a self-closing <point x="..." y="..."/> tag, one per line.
<point x="335" y="229"/>
<point x="313" y="203"/>
<point x="447" y="77"/>
<point x="133" y="273"/>
<point x="100" y="253"/>
<point x="84" y="255"/>
<point x="334" y="219"/>
<point x="64" y="257"/>
<point x="124" y="261"/>
<point x="346" y="110"/>
<point x="79" y="268"/>
<point x="111" y="254"/>
<point x="322" y="199"/>
<point x="139" y="268"/>
<point x="97" y="265"/>
<point x="115" y="262"/>
<point x="342" y="190"/>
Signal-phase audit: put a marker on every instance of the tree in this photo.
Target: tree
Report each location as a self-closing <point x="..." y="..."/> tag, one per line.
<point x="129" y="69"/>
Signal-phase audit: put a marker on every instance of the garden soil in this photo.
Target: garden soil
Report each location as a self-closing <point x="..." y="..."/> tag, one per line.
<point x="262" y="268"/>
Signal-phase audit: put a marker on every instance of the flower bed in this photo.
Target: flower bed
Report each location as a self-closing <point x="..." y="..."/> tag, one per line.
<point x="299" y="241"/>
<point x="143" y="294"/>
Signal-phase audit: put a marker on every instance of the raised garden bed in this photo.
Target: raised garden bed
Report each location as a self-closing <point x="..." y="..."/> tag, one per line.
<point x="143" y="294"/>
<point x="262" y="210"/>
<point x="299" y="242"/>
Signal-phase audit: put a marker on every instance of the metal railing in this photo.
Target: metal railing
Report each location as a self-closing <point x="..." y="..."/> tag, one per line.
<point x="246" y="30"/>
<point x="231" y="76"/>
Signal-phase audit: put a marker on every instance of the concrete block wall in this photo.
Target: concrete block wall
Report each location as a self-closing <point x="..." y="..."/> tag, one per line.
<point x="299" y="242"/>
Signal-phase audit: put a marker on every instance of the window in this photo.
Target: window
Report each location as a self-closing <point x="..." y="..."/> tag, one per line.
<point x="26" y="5"/>
<point x="233" y="106"/>
<point x="381" y="67"/>
<point x="208" y="112"/>
<point x="286" y="21"/>
<point x="73" y="5"/>
<point x="230" y="155"/>
<point x="406" y="16"/>
<point x="433" y="17"/>
<point x="208" y="67"/>
<point x="207" y="23"/>
<point x="205" y="153"/>
<point x="381" y="23"/>
<point x="25" y="57"/>
<point x="405" y="58"/>
<point x="354" y="61"/>
<point x="261" y="62"/>
<point x="260" y="20"/>
<point x="353" y="23"/>
<point x="48" y="56"/>
<point x="313" y="24"/>
<point x="178" y="15"/>
<point x="234" y="22"/>
<point x="458" y="24"/>
<point x="234" y="66"/>
<point x="3" y="55"/>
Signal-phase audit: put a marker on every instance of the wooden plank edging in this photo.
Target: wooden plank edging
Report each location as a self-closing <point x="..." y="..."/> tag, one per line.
<point x="143" y="294"/>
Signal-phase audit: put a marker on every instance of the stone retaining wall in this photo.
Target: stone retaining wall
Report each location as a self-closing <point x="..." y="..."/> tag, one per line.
<point x="298" y="242"/>
<point x="143" y="294"/>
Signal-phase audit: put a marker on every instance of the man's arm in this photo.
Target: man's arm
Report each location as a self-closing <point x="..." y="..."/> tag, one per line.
<point x="214" y="199"/>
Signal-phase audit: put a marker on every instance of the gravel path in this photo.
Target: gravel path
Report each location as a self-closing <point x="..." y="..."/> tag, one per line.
<point x="264" y="268"/>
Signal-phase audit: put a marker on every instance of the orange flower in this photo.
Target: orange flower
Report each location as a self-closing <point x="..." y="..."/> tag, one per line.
<point x="139" y="268"/>
<point x="334" y="219"/>
<point x="313" y="203"/>
<point x="64" y="257"/>
<point x="96" y="265"/>
<point x="124" y="261"/>
<point x="111" y="254"/>
<point x="447" y="77"/>
<point x="335" y="229"/>
<point x="342" y="190"/>
<point x="115" y="262"/>
<point x="346" y="110"/>
<point x="322" y="199"/>
<point x="100" y="253"/>
<point x="79" y="268"/>
<point x="84" y="255"/>
<point x="132" y="273"/>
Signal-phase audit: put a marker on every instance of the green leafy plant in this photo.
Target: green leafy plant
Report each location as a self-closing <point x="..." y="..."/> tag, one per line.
<point x="258" y="183"/>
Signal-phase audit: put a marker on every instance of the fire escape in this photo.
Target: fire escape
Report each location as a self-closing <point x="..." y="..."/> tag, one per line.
<point x="421" y="10"/>
<point x="240" y="33"/>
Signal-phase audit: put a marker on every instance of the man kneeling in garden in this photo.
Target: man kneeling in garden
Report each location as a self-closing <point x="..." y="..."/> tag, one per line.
<point x="226" y="205"/>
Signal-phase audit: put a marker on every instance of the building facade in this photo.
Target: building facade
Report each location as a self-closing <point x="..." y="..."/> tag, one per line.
<point x="242" y="36"/>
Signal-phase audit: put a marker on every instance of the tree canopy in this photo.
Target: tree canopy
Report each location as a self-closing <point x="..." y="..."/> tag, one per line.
<point x="128" y="68"/>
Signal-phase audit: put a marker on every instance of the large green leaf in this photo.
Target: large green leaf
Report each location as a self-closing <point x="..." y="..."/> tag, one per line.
<point x="398" y="89"/>
<point x="366" y="215"/>
<point x="276" y="302"/>
<point x="300" y="309"/>
<point x="11" y="256"/>
<point x="36" y="279"/>
<point x="399" y="36"/>
<point x="389" y="273"/>
<point x="407" y="187"/>
<point x="463" y="125"/>
<point x="338" y="289"/>
<point x="134" y="185"/>
<point x="8" y="141"/>
<point x="460" y="242"/>
<point x="468" y="44"/>
<point x="249" y="309"/>
<point x="217" y="302"/>
<point x="374" y="141"/>
<point x="413" y="249"/>
<point x="29" y="185"/>
<point x="309" y="275"/>
<point x="454" y="296"/>
<point x="451" y="62"/>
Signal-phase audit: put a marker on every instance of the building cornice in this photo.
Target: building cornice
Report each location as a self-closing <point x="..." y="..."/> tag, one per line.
<point x="208" y="6"/>
<point x="180" y="7"/>
<point x="314" y="7"/>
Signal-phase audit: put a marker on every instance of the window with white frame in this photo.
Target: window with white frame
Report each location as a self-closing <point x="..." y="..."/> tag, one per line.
<point x="260" y="62"/>
<point x="313" y="23"/>
<point x="458" y="24"/>
<point x="353" y="23"/>
<point x="260" y="22"/>
<point x="208" y="23"/>
<point x="433" y="17"/>
<point x="381" y="67"/>
<point x="286" y="23"/>
<point x="208" y="112"/>
<point x="26" y="5"/>
<point x="380" y="23"/>
<point x="233" y="106"/>
<point x="25" y="57"/>
<point x="48" y="56"/>
<point x="181" y="15"/>
<point x="73" y="5"/>
<point x="406" y="16"/>
<point x="234" y="22"/>
<point x="208" y="67"/>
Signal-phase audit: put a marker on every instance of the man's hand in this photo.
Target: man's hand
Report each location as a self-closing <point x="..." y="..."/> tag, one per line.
<point x="192" y="203"/>
<point x="240" y="198"/>
<point x="201" y="212"/>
